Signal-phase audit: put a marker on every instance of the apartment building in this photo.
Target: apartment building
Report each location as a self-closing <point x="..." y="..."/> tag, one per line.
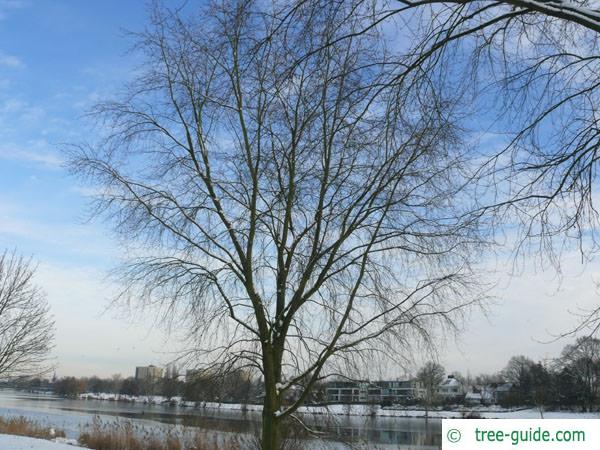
<point x="395" y="391"/>
<point x="148" y="372"/>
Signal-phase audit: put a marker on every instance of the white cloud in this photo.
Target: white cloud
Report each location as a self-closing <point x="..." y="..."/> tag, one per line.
<point x="19" y="118"/>
<point x="89" y="340"/>
<point x="73" y="241"/>
<point x="531" y="309"/>
<point x="10" y="5"/>
<point x="22" y="111"/>
<point x="12" y="106"/>
<point x="10" y="61"/>
<point x="32" y="155"/>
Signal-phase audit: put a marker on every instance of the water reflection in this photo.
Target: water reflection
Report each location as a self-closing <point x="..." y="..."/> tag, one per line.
<point x="401" y="432"/>
<point x="73" y="414"/>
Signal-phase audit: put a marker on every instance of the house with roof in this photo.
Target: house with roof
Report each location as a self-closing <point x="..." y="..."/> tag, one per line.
<point x="473" y="398"/>
<point x="451" y="388"/>
<point x="490" y="394"/>
<point x="502" y="391"/>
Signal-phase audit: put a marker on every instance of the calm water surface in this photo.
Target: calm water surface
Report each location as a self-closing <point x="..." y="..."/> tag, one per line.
<point x="338" y="431"/>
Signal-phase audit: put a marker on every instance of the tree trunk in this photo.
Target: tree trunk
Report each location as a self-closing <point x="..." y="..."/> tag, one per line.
<point x="271" y="424"/>
<point x="271" y="433"/>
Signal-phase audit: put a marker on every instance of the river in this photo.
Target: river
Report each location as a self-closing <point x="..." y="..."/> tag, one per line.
<point x="338" y="431"/>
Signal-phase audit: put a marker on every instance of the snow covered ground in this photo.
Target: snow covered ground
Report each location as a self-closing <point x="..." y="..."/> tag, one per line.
<point x="484" y="413"/>
<point x="489" y="412"/>
<point x="25" y="443"/>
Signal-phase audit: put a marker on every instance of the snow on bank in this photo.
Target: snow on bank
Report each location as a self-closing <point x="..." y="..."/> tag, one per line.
<point x="174" y="401"/>
<point x="459" y="413"/>
<point x="490" y="412"/>
<point x="26" y="443"/>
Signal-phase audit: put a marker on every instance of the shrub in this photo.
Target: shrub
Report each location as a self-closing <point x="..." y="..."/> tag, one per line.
<point x="124" y="435"/>
<point x="24" y="427"/>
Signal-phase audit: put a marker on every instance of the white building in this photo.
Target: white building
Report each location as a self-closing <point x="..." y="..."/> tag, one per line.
<point x="393" y="391"/>
<point x="473" y="398"/>
<point x="450" y="388"/>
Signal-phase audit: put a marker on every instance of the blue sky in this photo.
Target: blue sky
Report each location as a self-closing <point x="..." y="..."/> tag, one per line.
<point x="57" y="58"/>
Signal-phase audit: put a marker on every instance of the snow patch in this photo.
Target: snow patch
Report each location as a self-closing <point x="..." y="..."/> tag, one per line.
<point x="486" y="412"/>
<point x="27" y="443"/>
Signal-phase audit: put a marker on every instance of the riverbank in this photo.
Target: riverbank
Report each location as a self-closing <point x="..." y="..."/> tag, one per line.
<point x="484" y="412"/>
<point x="341" y="432"/>
<point x="11" y="442"/>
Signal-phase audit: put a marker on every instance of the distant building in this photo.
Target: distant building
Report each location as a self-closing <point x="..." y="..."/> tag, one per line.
<point x="450" y="388"/>
<point x="346" y="392"/>
<point x="399" y="391"/>
<point x="501" y="392"/>
<point x="473" y="398"/>
<point x="395" y="391"/>
<point x="148" y="373"/>
<point x="489" y="394"/>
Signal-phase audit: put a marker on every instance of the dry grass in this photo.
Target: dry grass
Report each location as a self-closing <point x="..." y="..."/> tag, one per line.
<point x="124" y="435"/>
<point x="24" y="427"/>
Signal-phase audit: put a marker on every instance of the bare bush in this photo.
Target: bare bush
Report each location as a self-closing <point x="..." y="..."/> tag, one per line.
<point x="26" y="327"/>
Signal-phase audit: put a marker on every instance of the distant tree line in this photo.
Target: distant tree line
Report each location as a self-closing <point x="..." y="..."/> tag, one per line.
<point x="573" y="380"/>
<point x="570" y="381"/>
<point x="237" y="386"/>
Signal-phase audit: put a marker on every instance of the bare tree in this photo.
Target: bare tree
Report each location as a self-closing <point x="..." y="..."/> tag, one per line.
<point x="536" y="64"/>
<point x="543" y="387"/>
<point x="518" y="371"/>
<point x="531" y="70"/>
<point x="583" y="361"/>
<point x="26" y="327"/>
<point x="294" y="218"/>
<point x="531" y="67"/>
<point x="430" y="376"/>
